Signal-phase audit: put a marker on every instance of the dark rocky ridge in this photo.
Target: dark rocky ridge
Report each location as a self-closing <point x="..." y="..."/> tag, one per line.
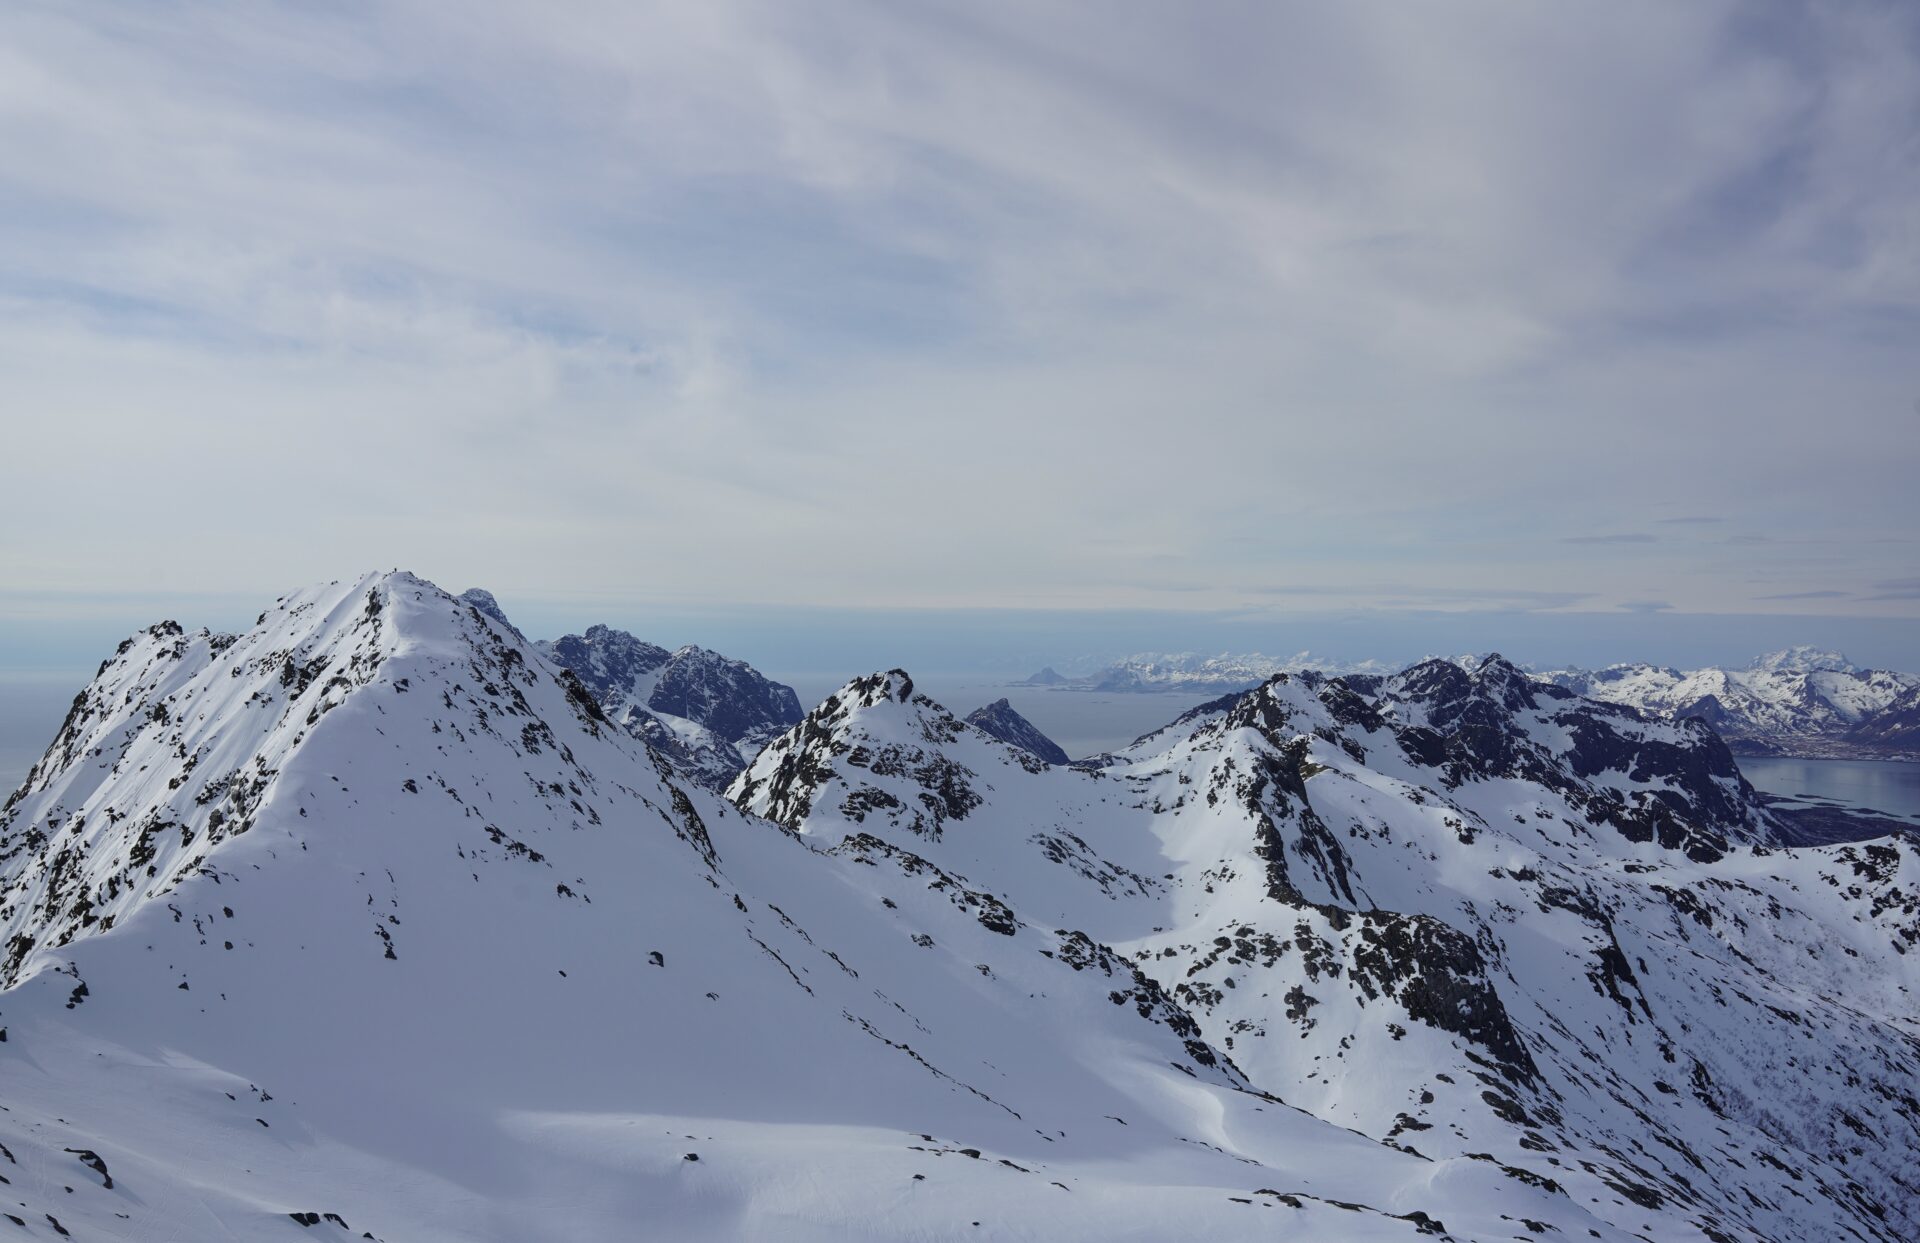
<point x="999" y="719"/>
<point x="650" y="691"/>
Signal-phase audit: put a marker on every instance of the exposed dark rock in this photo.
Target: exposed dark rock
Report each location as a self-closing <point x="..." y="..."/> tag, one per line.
<point x="1001" y="721"/>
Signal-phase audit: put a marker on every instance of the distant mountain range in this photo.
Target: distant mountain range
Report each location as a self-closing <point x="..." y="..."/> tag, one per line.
<point x="1801" y="701"/>
<point x="1187" y="672"/>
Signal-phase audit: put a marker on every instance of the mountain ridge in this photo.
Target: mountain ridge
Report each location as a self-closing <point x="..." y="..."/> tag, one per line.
<point x="1298" y="818"/>
<point x="372" y="911"/>
<point x="709" y="714"/>
<point x="370" y="918"/>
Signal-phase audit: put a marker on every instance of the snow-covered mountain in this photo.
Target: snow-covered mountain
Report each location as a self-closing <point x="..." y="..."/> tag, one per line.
<point x="1001" y="720"/>
<point x="372" y="920"/>
<point x="1801" y="701"/>
<point x="706" y="713"/>
<point x="1465" y="914"/>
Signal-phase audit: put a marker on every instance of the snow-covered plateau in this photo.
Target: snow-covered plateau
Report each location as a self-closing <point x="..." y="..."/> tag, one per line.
<point x="378" y="922"/>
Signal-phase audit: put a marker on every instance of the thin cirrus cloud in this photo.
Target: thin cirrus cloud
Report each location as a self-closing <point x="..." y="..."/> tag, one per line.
<point x="947" y="306"/>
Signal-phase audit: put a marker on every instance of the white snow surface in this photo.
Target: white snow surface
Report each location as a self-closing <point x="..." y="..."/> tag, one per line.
<point x="370" y="913"/>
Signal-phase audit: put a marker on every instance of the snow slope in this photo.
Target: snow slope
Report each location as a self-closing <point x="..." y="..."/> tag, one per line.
<point x="370" y="922"/>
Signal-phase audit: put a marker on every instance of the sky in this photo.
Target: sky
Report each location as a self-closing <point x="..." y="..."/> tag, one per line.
<point x="1028" y="330"/>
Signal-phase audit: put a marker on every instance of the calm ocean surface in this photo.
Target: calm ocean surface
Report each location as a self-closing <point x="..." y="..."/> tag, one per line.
<point x="1885" y="786"/>
<point x="32" y="706"/>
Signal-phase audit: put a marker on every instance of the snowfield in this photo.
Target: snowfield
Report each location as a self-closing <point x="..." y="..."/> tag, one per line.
<point x="372" y="922"/>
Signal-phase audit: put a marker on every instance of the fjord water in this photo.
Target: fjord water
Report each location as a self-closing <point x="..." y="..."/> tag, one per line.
<point x="1886" y="786"/>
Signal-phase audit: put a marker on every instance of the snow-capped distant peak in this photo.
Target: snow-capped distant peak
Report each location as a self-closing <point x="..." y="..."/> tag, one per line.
<point x="1803" y="658"/>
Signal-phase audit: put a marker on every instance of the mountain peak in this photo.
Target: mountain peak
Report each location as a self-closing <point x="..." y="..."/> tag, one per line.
<point x="895" y="685"/>
<point x="483" y="600"/>
<point x="1803" y="658"/>
<point x="707" y="713"/>
<point x="1000" y="719"/>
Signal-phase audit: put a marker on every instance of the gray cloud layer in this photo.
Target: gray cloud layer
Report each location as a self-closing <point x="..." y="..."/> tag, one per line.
<point x="1044" y="305"/>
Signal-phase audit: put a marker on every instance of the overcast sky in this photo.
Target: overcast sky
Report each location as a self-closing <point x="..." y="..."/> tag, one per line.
<point x="1250" y="312"/>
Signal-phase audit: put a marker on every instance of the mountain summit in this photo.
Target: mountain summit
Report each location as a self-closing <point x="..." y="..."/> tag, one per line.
<point x="999" y="719"/>
<point x="1803" y="659"/>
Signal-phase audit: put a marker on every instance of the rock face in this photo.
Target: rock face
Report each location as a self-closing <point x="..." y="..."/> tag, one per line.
<point x="337" y="919"/>
<point x="1801" y="701"/>
<point x="999" y="719"/>
<point x="706" y="713"/>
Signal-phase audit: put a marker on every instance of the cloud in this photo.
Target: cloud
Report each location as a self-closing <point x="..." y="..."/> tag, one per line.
<point x="1896" y="589"/>
<point x="1806" y="595"/>
<point x="1646" y="606"/>
<point x="1630" y="538"/>
<point x="1421" y="596"/>
<point x="945" y="306"/>
<point x="1696" y="521"/>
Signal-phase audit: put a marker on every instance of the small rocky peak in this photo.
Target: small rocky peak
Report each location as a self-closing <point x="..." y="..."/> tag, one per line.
<point x="1500" y="679"/>
<point x="895" y="685"/>
<point x="1000" y="720"/>
<point x="483" y="602"/>
<point x="1434" y="681"/>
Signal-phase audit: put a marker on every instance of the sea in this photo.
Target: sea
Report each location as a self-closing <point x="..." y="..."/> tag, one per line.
<point x="1890" y="788"/>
